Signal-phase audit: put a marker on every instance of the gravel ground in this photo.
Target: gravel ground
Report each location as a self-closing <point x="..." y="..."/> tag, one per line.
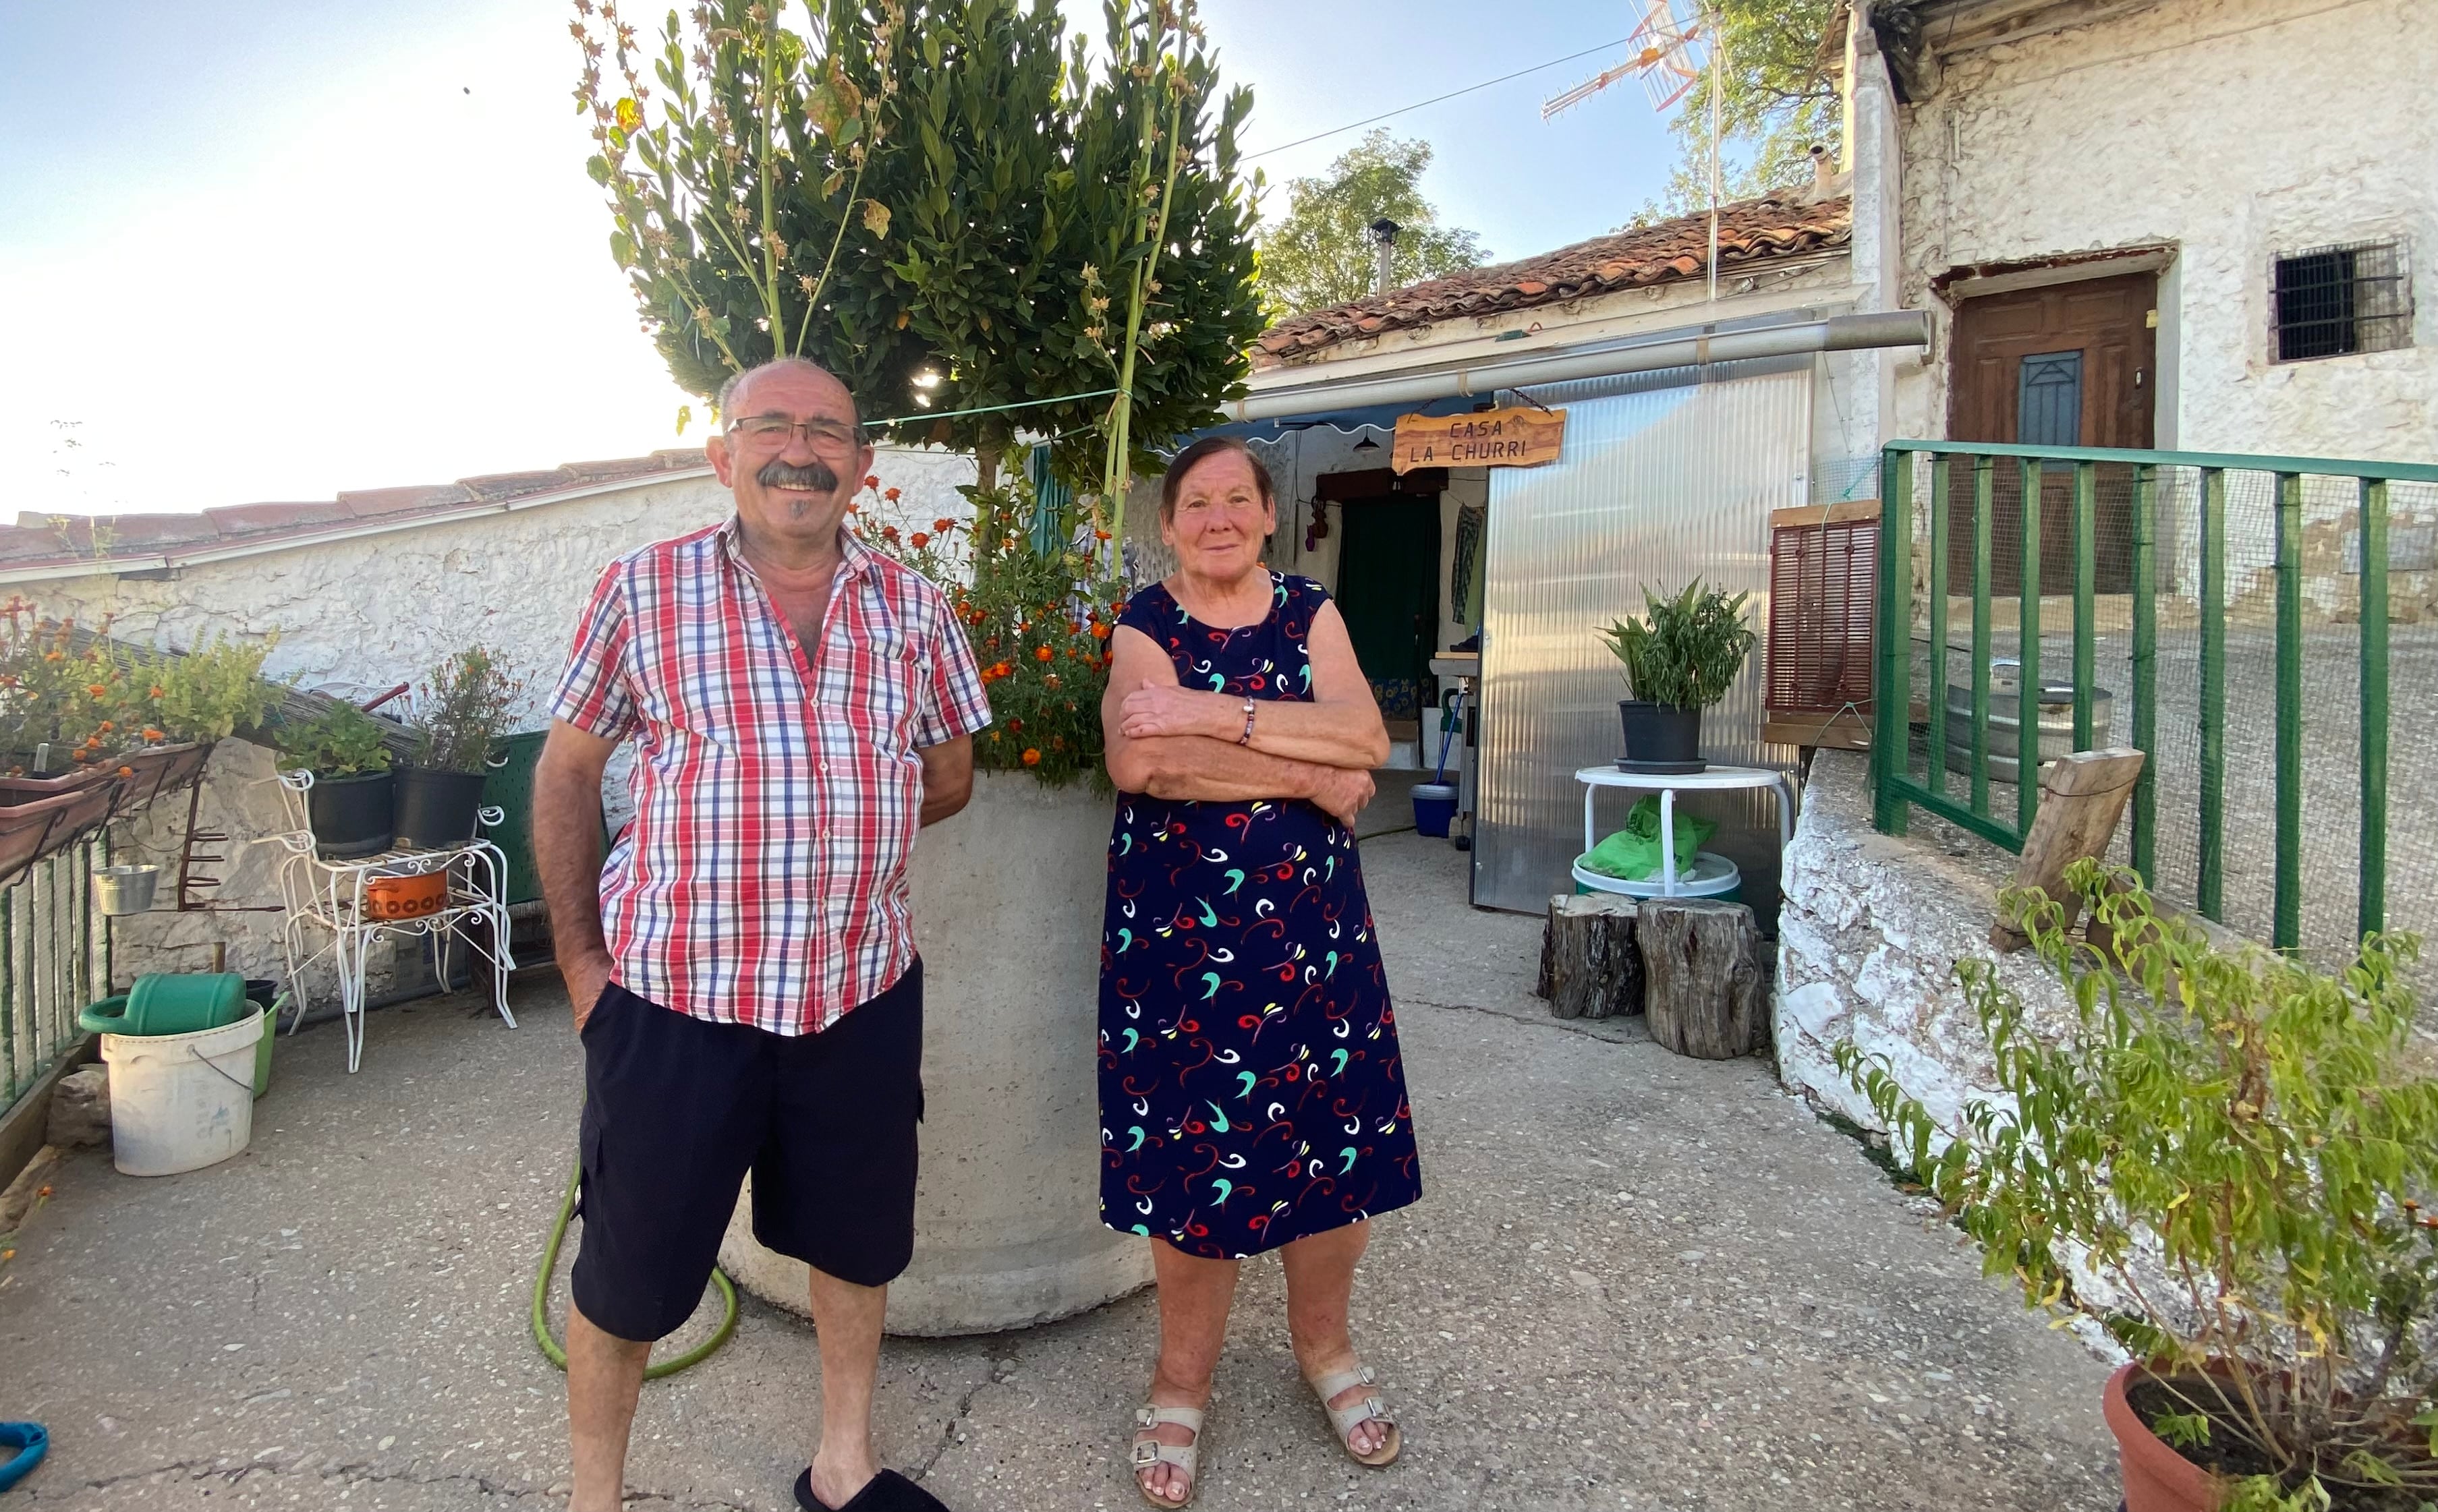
<point x="1634" y="1281"/>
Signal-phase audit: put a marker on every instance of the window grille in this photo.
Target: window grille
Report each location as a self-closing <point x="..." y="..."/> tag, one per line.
<point x="2337" y="300"/>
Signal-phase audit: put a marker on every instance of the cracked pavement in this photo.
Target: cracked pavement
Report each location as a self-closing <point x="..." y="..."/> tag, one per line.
<point x="1633" y="1282"/>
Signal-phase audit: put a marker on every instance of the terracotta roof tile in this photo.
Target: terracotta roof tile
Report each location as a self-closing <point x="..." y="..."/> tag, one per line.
<point x="1750" y="231"/>
<point x="34" y="541"/>
<point x="365" y="503"/>
<point x="495" y="486"/>
<point x="244" y="519"/>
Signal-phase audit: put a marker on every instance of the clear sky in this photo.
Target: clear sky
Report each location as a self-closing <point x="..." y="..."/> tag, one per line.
<point x="275" y="249"/>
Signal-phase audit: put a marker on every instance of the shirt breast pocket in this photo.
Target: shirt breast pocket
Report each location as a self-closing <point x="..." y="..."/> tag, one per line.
<point x="885" y="710"/>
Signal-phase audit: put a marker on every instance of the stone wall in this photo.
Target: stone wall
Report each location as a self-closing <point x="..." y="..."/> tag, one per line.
<point x="366" y="614"/>
<point x="1869" y="931"/>
<point x="2149" y="130"/>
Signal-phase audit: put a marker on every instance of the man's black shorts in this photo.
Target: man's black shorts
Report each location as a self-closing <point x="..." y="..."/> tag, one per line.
<point x="677" y="1110"/>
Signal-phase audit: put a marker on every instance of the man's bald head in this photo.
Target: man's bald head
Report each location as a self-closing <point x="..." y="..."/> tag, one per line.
<point x="733" y="396"/>
<point x="791" y="449"/>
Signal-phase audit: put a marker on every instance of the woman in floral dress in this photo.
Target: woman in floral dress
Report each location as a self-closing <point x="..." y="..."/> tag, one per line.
<point x="1252" y="1096"/>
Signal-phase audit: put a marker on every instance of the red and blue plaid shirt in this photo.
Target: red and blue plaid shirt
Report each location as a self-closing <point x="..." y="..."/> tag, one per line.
<point x="777" y="795"/>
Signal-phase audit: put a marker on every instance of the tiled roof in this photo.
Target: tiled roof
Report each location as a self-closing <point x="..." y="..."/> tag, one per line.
<point x="44" y="540"/>
<point x="1750" y="231"/>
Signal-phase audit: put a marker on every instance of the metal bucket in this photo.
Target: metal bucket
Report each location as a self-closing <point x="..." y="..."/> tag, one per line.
<point x="119" y="891"/>
<point x="2056" y="736"/>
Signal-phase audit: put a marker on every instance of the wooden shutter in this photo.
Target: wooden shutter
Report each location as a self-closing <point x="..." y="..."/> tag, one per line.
<point x="1823" y="588"/>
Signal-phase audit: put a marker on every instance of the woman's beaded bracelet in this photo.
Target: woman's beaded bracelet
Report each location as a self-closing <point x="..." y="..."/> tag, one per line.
<point x="1247" y="738"/>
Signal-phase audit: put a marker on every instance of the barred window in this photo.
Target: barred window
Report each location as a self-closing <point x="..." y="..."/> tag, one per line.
<point x="2332" y="301"/>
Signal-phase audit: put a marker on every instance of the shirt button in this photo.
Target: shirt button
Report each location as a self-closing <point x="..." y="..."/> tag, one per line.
<point x="825" y="832"/>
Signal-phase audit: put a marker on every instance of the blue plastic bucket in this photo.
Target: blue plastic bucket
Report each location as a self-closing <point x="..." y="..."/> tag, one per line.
<point x="1433" y="806"/>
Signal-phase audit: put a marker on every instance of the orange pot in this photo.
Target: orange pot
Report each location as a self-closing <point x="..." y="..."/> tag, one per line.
<point x="2157" y="1479"/>
<point x="406" y="897"/>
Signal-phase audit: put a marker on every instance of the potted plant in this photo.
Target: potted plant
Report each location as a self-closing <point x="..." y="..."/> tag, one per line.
<point x="457" y="715"/>
<point x="1681" y="657"/>
<point x="2223" y="1160"/>
<point x="349" y="804"/>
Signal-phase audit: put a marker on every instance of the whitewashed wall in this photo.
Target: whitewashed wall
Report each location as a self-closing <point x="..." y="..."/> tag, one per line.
<point x="2232" y="130"/>
<point x="378" y="610"/>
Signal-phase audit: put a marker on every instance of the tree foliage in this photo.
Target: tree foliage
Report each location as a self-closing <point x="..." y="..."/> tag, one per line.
<point x="1778" y="98"/>
<point x="944" y="189"/>
<point x="2241" y="1150"/>
<point x="1321" y="254"/>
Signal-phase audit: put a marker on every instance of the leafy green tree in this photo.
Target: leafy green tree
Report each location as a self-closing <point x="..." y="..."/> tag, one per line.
<point x="942" y="203"/>
<point x="1321" y="252"/>
<point x="1777" y="100"/>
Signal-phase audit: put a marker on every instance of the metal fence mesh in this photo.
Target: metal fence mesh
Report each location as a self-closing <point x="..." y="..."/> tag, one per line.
<point x="2331" y="854"/>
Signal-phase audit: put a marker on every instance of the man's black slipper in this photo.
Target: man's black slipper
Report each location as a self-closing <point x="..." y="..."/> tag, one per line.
<point x="885" y="1492"/>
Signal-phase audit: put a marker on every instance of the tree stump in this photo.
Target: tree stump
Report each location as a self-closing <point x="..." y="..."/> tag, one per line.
<point x="1589" y="960"/>
<point x="1706" y="994"/>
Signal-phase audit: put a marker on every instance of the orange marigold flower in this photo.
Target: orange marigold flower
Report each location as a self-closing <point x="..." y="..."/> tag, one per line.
<point x="127" y="771"/>
<point x="944" y="526"/>
<point x="1043" y="654"/>
<point x="871" y="481"/>
<point x="1099" y="632"/>
<point x="1100" y="535"/>
<point x="1032" y="756"/>
<point x="151" y="733"/>
<point x="96" y="690"/>
<point x="158" y="691"/>
<point x="890" y="494"/>
<point x="106" y="726"/>
<point x="918" y="541"/>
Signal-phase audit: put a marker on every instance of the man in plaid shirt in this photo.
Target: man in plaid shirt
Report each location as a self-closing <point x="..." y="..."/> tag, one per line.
<point x="743" y="967"/>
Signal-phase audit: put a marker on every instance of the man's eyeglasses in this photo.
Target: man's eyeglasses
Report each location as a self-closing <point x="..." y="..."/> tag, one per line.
<point x="772" y="431"/>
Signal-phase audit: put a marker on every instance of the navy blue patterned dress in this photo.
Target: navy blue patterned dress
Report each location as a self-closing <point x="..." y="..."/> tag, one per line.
<point x="1251" y="1091"/>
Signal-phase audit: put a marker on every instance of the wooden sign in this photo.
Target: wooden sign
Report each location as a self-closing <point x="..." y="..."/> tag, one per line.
<point x="1487" y="438"/>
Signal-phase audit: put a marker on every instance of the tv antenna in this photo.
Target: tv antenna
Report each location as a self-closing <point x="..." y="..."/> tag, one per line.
<point x="1676" y="38"/>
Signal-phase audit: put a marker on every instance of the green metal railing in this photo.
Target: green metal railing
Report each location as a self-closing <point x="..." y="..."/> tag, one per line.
<point x="1999" y="516"/>
<point x="55" y="958"/>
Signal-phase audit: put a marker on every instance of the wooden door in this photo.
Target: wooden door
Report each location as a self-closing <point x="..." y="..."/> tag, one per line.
<point x="2070" y="364"/>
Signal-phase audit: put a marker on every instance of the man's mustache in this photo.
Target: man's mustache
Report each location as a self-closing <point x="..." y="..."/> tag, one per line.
<point x="815" y="475"/>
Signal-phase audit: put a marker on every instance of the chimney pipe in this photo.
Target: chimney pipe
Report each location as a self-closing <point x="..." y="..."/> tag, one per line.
<point x="1822" y="168"/>
<point x="1384" y="240"/>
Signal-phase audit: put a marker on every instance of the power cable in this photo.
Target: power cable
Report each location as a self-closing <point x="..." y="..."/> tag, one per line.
<point x="1452" y="93"/>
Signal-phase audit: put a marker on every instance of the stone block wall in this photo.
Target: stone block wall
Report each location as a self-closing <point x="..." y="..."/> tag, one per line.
<point x="1869" y="932"/>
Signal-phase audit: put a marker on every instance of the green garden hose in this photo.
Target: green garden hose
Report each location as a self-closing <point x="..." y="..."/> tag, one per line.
<point x="551" y="1349"/>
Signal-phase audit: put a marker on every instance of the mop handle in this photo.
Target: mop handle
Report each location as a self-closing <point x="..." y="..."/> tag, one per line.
<point x="1449" y="724"/>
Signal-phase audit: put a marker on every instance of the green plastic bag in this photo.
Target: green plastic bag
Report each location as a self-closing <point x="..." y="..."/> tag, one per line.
<point x="1632" y="855"/>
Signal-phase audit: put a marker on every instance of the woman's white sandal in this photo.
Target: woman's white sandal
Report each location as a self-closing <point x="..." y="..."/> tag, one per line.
<point x="1346" y="1419"/>
<point x="1149" y="1452"/>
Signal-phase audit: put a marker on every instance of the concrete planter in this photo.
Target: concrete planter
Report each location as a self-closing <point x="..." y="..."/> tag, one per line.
<point x="1007" y="1230"/>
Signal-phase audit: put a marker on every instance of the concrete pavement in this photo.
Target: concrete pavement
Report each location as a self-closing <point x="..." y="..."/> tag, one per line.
<point x="1633" y="1282"/>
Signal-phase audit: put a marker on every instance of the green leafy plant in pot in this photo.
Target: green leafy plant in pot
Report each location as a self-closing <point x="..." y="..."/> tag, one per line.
<point x="349" y="804"/>
<point x="1680" y="658"/>
<point x="458" y="715"/>
<point x="2223" y="1159"/>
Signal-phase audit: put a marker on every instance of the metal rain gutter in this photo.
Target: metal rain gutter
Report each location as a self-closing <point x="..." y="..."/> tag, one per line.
<point x="1836" y="333"/>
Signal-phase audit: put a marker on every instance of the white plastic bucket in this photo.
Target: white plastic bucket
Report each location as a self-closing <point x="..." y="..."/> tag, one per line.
<point x="180" y="1102"/>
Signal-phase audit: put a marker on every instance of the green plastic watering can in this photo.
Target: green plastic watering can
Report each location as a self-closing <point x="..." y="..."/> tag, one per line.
<point x="170" y="1003"/>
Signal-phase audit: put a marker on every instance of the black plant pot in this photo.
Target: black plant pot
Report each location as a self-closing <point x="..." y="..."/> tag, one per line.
<point x="436" y="808"/>
<point x="1660" y="737"/>
<point x="351" y="815"/>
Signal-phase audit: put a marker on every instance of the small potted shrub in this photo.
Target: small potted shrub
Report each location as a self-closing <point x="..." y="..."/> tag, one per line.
<point x="458" y="715"/>
<point x="1681" y="657"/>
<point x="2225" y="1161"/>
<point x="349" y="804"/>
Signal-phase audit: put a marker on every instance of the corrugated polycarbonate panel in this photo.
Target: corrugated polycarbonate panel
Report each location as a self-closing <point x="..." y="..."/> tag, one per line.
<point x="1663" y="479"/>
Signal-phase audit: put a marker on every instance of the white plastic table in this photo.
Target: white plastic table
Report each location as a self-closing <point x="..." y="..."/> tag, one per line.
<point x="1668" y="784"/>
